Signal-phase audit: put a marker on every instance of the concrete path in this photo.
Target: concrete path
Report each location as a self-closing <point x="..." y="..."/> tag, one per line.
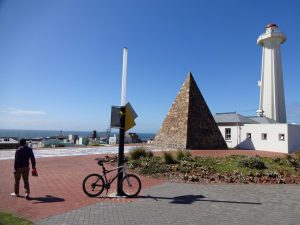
<point x="174" y="203"/>
<point x="58" y="152"/>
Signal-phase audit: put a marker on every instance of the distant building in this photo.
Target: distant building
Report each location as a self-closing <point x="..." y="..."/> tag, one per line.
<point x="113" y="140"/>
<point x="83" y="141"/>
<point x="73" y="138"/>
<point x="9" y="143"/>
<point x="135" y="138"/>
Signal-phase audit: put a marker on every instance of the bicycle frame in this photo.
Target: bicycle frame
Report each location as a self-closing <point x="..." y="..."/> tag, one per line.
<point x="112" y="179"/>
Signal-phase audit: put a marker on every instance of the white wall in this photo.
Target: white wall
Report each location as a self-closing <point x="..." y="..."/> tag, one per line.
<point x="273" y="143"/>
<point x="233" y="142"/>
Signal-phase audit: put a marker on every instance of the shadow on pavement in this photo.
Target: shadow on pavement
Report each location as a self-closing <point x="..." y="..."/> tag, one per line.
<point x="190" y="199"/>
<point x="46" y="199"/>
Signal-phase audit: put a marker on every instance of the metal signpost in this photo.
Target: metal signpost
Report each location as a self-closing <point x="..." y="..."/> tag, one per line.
<point x="122" y="117"/>
<point x="122" y="122"/>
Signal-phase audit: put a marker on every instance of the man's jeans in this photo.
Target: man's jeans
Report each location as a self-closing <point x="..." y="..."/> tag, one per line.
<point x="24" y="172"/>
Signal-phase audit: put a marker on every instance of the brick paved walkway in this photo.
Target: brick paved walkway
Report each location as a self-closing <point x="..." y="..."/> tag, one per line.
<point x="177" y="204"/>
<point x="58" y="188"/>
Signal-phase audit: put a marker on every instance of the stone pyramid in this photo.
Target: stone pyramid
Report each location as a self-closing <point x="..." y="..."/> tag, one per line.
<point x="189" y="123"/>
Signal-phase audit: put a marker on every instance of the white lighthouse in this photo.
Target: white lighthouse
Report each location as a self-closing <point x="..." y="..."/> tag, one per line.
<point x="272" y="103"/>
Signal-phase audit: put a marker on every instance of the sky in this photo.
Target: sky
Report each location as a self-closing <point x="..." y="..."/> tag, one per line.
<point x="61" y="60"/>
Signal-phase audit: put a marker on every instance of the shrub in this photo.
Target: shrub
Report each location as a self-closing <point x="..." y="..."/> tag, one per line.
<point x="183" y="155"/>
<point x="206" y="161"/>
<point x="185" y="166"/>
<point x="140" y="152"/>
<point x="150" y="154"/>
<point x="168" y="158"/>
<point x="252" y="163"/>
<point x="152" y="165"/>
<point x="297" y="153"/>
<point x="294" y="162"/>
<point x="153" y="169"/>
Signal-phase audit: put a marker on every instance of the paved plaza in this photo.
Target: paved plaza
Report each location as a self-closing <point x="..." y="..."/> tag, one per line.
<point x="174" y="203"/>
<point x="57" y="198"/>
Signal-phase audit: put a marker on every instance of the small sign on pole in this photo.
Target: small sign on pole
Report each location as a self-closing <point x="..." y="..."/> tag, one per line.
<point x="115" y="117"/>
<point x="116" y="114"/>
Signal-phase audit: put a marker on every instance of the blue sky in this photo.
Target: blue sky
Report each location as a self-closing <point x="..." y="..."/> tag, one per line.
<point x="61" y="61"/>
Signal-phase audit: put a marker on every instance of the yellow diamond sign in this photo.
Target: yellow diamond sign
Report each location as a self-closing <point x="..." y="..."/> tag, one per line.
<point x="130" y="116"/>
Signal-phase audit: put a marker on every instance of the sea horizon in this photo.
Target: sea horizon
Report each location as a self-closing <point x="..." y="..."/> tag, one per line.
<point x="26" y="133"/>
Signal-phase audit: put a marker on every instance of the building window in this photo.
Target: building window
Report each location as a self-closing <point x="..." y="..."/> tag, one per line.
<point x="248" y="135"/>
<point x="227" y="133"/>
<point x="264" y="136"/>
<point x="281" y="137"/>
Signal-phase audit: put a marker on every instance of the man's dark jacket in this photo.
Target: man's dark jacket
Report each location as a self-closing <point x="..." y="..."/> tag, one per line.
<point x="22" y="156"/>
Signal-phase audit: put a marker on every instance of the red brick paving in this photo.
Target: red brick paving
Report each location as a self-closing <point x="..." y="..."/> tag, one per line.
<point x="58" y="188"/>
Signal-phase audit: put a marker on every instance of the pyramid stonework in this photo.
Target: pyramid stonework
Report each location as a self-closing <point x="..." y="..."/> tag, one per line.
<point x="189" y="123"/>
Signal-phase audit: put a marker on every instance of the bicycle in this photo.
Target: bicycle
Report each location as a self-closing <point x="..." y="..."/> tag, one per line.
<point x="94" y="184"/>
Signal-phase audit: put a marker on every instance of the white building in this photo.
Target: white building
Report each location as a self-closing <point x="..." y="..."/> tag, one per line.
<point x="82" y="141"/>
<point x="268" y="131"/>
<point x="258" y="133"/>
<point x="113" y="140"/>
<point x="8" y="143"/>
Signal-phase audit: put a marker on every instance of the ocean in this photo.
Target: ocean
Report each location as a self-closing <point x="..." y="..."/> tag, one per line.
<point x="48" y="133"/>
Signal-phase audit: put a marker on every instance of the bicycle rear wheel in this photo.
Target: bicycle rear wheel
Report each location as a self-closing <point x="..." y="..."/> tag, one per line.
<point x="93" y="185"/>
<point x="131" y="185"/>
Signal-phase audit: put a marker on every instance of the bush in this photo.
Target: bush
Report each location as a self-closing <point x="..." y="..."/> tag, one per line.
<point x="183" y="155"/>
<point x="252" y="163"/>
<point x="168" y="158"/>
<point x="152" y="165"/>
<point x="140" y="152"/>
<point x="153" y="169"/>
<point x="294" y="162"/>
<point x="297" y="153"/>
<point x="210" y="162"/>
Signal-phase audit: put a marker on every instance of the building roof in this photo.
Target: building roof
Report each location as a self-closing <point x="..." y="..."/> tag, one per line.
<point x="262" y="119"/>
<point x="232" y="117"/>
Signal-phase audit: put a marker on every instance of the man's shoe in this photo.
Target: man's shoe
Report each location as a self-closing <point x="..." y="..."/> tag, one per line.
<point x="14" y="194"/>
<point x="27" y="196"/>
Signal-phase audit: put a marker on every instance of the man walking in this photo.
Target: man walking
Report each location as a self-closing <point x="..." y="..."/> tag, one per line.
<point x="21" y="168"/>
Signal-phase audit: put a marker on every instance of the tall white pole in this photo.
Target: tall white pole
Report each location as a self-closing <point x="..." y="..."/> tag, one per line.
<point x="122" y="123"/>
<point x="124" y="76"/>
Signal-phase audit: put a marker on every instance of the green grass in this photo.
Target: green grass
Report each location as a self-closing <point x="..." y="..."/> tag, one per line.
<point x="9" y="219"/>
<point x="234" y="164"/>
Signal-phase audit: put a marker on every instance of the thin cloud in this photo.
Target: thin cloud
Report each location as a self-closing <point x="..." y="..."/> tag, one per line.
<point x="16" y="111"/>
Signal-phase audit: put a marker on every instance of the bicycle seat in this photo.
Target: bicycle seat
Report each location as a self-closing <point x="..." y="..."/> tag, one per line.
<point x="100" y="162"/>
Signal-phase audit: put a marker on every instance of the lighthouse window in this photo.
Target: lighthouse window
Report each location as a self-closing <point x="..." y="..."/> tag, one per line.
<point x="227" y="133"/>
<point x="264" y="136"/>
<point x="281" y="137"/>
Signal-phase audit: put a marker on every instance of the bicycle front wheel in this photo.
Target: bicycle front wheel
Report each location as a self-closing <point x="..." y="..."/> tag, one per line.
<point x="131" y="185"/>
<point x="93" y="185"/>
